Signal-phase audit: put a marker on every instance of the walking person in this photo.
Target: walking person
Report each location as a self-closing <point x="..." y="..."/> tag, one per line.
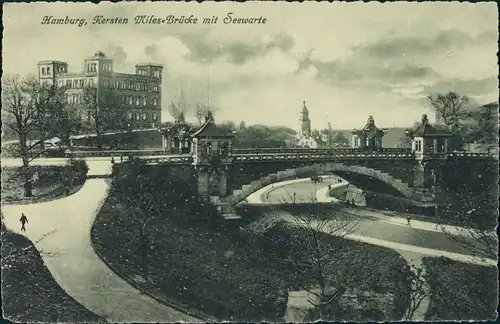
<point x="23" y="220"/>
<point x="408" y="219"/>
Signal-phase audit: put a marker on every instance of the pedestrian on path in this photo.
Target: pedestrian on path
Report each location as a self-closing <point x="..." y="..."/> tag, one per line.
<point x="408" y="219"/>
<point x="329" y="187"/>
<point x="23" y="220"/>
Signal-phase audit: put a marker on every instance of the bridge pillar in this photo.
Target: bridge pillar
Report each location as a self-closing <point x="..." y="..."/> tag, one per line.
<point x="203" y="181"/>
<point x="223" y="182"/>
<point x="419" y="179"/>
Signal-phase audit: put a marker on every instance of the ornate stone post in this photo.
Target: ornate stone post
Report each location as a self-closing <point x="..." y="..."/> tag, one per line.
<point x="203" y="180"/>
<point x="223" y="181"/>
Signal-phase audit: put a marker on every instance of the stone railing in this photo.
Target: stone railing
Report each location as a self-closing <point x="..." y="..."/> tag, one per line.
<point x="272" y="157"/>
<point x="171" y="159"/>
<point x="316" y="150"/>
<point x="110" y="153"/>
<point x="470" y="154"/>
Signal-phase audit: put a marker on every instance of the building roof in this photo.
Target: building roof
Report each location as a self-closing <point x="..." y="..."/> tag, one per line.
<point x="425" y="129"/>
<point x="370" y="129"/>
<point x="210" y="129"/>
<point x="150" y="64"/>
<point x="52" y="62"/>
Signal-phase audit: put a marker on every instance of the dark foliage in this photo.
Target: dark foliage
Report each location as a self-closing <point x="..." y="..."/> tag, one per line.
<point x="461" y="291"/>
<point x="29" y="293"/>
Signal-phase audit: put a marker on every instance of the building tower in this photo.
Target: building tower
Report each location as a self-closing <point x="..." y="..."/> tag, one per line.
<point x="48" y="71"/>
<point x="305" y="122"/>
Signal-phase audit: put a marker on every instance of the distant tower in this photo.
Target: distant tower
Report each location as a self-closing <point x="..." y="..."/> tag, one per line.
<point x="305" y="122"/>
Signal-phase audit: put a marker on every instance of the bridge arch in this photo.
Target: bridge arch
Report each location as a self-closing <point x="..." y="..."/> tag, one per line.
<point x="305" y="171"/>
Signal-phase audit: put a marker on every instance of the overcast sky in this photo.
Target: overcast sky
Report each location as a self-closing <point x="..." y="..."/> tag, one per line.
<point x="346" y="60"/>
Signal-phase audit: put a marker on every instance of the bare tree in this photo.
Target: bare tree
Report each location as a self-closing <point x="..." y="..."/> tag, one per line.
<point x="178" y="110"/>
<point x="450" y="108"/>
<point x="419" y="289"/>
<point x="480" y="243"/>
<point x="137" y="191"/>
<point x="66" y="121"/>
<point x="202" y="111"/>
<point x="104" y="111"/>
<point x="24" y="107"/>
<point x="326" y="264"/>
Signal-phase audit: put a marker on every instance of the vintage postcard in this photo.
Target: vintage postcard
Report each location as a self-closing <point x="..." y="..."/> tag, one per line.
<point x="249" y="162"/>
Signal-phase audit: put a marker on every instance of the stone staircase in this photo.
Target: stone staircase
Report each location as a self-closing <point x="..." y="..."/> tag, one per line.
<point x="226" y="210"/>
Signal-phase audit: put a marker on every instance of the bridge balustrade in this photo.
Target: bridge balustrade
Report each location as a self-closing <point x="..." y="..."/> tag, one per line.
<point x="83" y="154"/>
<point x="328" y="156"/>
<point x="299" y="150"/>
<point x="171" y="159"/>
<point x="470" y="154"/>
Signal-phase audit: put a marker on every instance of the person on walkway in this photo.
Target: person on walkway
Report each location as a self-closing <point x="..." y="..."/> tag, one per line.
<point x="408" y="219"/>
<point x="112" y="160"/>
<point x="121" y="158"/>
<point x="329" y="187"/>
<point x="23" y="220"/>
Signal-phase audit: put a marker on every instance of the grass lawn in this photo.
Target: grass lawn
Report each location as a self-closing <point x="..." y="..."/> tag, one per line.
<point x="29" y="293"/>
<point x="48" y="183"/>
<point x="228" y="276"/>
<point x="461" y="291"/>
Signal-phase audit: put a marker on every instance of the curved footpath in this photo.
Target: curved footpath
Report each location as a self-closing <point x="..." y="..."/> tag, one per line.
<point x="413" y="254"/>
<point x="61" y="229"/>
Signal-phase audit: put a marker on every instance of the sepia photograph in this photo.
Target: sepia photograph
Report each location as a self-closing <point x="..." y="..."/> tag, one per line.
<point x="249" y="162"/>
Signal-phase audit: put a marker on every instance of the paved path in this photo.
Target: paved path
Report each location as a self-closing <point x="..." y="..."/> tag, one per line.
<point x="366" y="230"/>
<point x="61" y="230"/>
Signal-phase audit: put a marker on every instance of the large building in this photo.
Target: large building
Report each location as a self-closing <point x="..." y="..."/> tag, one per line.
<point x="137" y="95"/>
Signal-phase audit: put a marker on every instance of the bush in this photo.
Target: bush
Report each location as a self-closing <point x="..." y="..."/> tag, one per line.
<point x="461" y="291"/>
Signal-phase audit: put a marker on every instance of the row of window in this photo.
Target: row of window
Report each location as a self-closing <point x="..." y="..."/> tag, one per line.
<point x="156" y="73"/>
<point x="138" y="100"/>
<point x="131" y="85"/>
<point x="121" y="85"/>
<point x="142" y="116"/>
<point x="78" y="98"/>
<point x="75" y="84"/>
<point x="47" y="70"/>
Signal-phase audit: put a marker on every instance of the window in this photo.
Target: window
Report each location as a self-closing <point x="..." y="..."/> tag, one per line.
<point x="138" y="101"/>
<point x="68" y="83"/>
<point x="75" y="84"/>
<point x="129" y="116"/>
<point x="82" y="83"/>
<point x="137" y="86"/>
<point x="123" y="99"/>
<point x="91" y="82"/>
<point x="48" y="70"/>
<point x="144" y="116"/>
<point x="130" y="100"/>
<point x="154" y="116"/>
<point x="61" y="83"/>
<point x="155" y="102"/>
<point x="144" y="101"/>
<point x="106" y="84"/>
<point x="136" y="116"/>
<point x="43" y="70"/>
<point x="418" y="145"/>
